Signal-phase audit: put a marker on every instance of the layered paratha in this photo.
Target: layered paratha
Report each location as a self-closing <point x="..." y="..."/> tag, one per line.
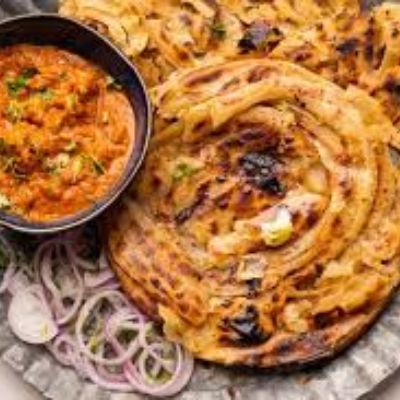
<point x="162" y="36"/>
<point x="364" y="51"/>
<point x="263" y="229"/>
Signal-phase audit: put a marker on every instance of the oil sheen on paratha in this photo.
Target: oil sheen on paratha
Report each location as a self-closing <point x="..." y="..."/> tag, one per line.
<point x="162" y="36"/>
<point x="264" y="228"/>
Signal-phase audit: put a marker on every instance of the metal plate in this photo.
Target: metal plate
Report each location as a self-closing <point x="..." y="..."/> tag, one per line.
<point x="352" y="375"/>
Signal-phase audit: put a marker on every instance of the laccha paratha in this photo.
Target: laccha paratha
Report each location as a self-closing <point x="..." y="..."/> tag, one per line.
<point x="363" y="50"/>
<point x="333" y="39"/>
<point x="264" y="228"/>
<point x="163" y="36"/>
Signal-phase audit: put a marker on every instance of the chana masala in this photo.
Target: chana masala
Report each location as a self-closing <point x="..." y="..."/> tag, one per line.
<point x="66" y="132"/>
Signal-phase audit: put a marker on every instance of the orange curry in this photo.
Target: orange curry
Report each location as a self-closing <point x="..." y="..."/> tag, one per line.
<point x="66" y="131"/>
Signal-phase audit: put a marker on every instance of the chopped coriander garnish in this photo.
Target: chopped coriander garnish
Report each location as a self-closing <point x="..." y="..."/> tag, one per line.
<point x="112" y="84"/>
<point x="97" y="165"/>
<point x="183" y="170"/>
<point x="218" y="30"/>
<point x="15" y="86"/>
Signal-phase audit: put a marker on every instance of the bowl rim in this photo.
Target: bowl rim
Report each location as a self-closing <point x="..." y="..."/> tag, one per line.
<point x="20" y="224"/>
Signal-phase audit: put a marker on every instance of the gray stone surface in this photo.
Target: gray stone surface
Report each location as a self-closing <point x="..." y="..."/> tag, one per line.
<point x="91" y="391"/>
<point x="18" y="357"/>
<point x="126" y="396"/>
<point x="354" y="374"/>
<point x="6" y="336"/>
<point x="40" y="373"/>
<point x="65" y="385"/>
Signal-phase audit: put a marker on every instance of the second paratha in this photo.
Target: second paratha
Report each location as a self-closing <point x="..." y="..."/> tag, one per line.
<point x="163" y="36"/>
<point x="264" y="227"/>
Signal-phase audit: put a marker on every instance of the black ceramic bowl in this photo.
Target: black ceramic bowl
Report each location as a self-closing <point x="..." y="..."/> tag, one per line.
<point x="65" y="33"/>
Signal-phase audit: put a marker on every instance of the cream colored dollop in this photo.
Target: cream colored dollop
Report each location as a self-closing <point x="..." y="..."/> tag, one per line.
<point x="279" y="229"/>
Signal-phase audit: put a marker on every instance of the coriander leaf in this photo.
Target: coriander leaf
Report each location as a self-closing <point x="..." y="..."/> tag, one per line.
<point x="183" y="170"/>
<point x="15" y="86"/>
<point x="97" y="165"/>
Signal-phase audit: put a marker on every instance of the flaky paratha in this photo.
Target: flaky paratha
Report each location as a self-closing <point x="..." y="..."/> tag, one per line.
<point x="162" y="36"/>
<point x="364" y="51"/>
<point x="264" y="228"/>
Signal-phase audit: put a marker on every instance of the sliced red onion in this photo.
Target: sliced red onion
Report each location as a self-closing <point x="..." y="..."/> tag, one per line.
<point x="124" y="321"/>
<point x="180" y="378"/>
<point x="38" y="256"/>
<point x="120" y="385"/>
<point x="181" y="369"/>
<point x="162" y="363"/>
<point x="84" y="264"/>
<point x="52" y="255"/>
<point x="30" y="317"/>
<point x="103" y="261"/>
<point x="117" y="300"/>
<point x="111" y="285"/>
<point x="62" y="348"/>
<point x="105" y="373"/>
<point x="38" y="314"/>
<point x="143" y="339"/>
<point x="97" y="279"/>
<point x="18" y="281"/>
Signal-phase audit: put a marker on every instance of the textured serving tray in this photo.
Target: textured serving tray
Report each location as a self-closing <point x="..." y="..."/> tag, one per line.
<point x="353" y="375"/>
